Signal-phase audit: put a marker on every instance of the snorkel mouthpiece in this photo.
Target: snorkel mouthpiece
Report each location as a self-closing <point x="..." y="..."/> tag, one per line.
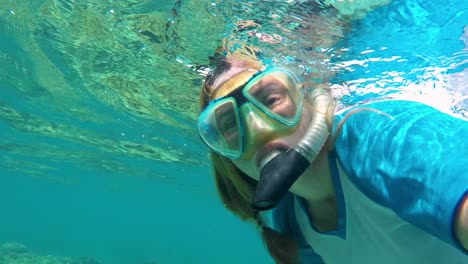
<point x="280" y="173"/>
<point x="276" y="177"/>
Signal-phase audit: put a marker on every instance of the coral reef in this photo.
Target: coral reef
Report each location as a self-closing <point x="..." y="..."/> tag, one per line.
<point x="17" y="253"/>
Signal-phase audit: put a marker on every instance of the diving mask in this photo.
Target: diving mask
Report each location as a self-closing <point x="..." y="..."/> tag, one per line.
<point x="275" y="93"/>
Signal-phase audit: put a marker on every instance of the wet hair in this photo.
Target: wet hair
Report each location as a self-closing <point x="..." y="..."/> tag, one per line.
<point x="205" y="96"/>
<point x="236" y="189"/>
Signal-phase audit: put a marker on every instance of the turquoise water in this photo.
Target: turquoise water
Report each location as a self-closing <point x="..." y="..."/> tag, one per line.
<point x="98" y="99"/>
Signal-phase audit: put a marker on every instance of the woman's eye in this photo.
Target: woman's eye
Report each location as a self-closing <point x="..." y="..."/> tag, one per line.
<point x="270" y="95"/>
<point x="228" y="124"/>
<point x="271" y="99"/>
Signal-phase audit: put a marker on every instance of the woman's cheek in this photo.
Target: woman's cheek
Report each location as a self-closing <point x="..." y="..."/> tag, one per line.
<point x="247" y="167"/>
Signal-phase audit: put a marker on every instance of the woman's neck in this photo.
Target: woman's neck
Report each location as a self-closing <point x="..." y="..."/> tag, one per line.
<point x="316" y="183"/>
<point x="324" y="214"/>
<point x="316" y="187"/>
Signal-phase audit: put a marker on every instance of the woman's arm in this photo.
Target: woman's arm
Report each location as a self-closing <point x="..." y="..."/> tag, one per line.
<point x="461" y="222"/>
<point x="414" y="164"/>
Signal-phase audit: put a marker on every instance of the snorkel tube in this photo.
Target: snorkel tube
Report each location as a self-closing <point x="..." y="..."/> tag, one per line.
<point x="284" y="168"/>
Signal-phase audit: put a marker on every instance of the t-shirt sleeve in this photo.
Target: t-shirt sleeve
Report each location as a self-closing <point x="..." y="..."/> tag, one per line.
<point x="284" y="221"/>
<point x="416" y="163"/>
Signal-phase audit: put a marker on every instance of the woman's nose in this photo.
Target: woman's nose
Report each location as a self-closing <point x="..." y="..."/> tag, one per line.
<point x="259" y="129"/>
<point x="258" y="125"/>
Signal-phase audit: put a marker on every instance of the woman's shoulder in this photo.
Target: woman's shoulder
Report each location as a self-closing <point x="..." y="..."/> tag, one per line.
<point x="389" y="105"/>
<point x="393" y="113"/>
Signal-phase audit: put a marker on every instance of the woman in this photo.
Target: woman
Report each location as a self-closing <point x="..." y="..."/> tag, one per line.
<point x="384" y="183"/>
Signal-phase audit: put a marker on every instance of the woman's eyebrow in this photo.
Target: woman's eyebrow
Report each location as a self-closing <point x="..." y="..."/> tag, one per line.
<point x="269" y="84"/>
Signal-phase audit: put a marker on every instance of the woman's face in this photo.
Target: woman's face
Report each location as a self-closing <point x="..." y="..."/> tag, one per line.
<point x="259" y="152"/>
<point x="260" y="138"/>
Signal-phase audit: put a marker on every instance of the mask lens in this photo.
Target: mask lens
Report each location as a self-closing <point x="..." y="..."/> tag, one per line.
<point x="219" y="128"/>
<point x="277" y="93"/>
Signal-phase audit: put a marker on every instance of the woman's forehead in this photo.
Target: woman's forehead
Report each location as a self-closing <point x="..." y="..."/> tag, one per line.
<point x="226" y="75"/>
<point x="229" y="80"/>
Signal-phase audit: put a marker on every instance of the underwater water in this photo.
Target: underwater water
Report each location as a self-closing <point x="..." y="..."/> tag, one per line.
<point x="99" y="157"/>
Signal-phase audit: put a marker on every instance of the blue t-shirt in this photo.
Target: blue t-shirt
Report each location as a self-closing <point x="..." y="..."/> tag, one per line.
<point x="398" y="183"/>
